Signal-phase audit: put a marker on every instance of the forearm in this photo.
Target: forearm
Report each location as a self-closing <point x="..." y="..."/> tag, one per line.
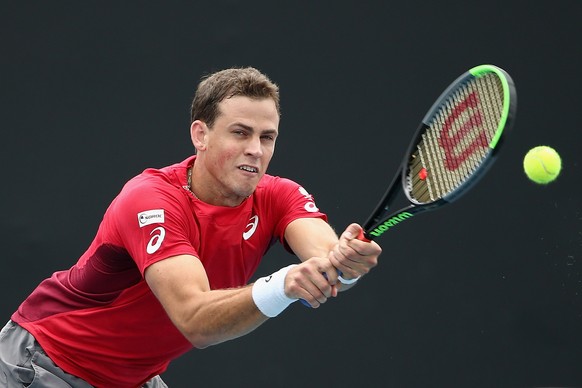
<point x="208" y="317"/>
<point x="204" y="316"/>
<point x="225" y="314"/>
<point x="310" y="237"/>
<point x="220" y="315"/>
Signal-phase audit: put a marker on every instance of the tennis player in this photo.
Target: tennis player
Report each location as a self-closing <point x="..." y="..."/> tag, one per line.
<point x="168" y="270"/>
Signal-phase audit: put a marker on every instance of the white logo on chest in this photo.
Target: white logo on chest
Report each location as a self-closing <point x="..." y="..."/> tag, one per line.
<point x="251" y="227"/>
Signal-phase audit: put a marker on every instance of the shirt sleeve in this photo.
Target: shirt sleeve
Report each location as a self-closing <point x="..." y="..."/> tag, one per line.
<point x="292" y="202"/>
<point x="152" y="222"/>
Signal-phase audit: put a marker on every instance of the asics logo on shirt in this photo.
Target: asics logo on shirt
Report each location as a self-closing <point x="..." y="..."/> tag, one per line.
<point x="156" y="241"/>
<point x="253" y="223"/>
<point x="310" y="206"/>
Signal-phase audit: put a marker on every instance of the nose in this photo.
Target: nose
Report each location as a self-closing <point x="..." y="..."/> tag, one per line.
<point x="254" y="147"/>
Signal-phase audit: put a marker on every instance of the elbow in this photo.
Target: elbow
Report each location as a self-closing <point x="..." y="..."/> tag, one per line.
<point x="194" y="329"/>
<point x="198" y="339"/>
<point x="200" y="344"/>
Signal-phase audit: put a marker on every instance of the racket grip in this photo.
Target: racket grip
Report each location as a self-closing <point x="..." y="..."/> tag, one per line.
<point x="361" y="236"/>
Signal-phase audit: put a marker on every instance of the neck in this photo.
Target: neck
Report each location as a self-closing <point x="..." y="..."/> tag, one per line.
<point x="212" y="199"/>
<point x="189" y="180"/>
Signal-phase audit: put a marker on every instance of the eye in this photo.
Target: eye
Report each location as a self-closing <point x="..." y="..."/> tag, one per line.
<point x="269" y="136"/>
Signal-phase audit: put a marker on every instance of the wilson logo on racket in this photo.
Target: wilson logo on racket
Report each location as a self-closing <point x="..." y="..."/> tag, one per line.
<point x="390" y="223"/>
<point x="455" y="134"/>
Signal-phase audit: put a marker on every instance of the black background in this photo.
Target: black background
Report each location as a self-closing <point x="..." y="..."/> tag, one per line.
<point x="485" y="293"/>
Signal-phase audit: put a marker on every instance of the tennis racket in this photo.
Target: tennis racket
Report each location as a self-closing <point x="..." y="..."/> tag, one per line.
<point x="456" y="142"/>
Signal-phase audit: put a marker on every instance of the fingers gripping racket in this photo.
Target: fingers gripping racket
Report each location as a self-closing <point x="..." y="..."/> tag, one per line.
<point x="456" y="142"/>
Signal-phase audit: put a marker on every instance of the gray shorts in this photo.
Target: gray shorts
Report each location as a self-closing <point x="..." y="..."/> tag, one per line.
<point x="23" y="363"/>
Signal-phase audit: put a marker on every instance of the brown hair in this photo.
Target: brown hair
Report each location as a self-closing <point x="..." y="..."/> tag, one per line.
<point x="216" y="87"/>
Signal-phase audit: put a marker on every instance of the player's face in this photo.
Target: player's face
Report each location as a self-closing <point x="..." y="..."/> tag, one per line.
<point x="239" y="147"/>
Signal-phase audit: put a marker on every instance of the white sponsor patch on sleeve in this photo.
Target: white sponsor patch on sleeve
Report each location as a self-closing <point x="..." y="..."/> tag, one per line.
<point x="150" y="217"/>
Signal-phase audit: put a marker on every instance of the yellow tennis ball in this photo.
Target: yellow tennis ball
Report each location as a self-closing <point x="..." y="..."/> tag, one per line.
<point x="542" y="164"/>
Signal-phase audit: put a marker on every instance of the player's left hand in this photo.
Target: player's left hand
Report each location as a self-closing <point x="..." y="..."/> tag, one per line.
<point x="354" y="257"/>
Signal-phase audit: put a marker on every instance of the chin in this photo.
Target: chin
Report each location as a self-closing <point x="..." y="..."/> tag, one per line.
<point x="246" y="191"/>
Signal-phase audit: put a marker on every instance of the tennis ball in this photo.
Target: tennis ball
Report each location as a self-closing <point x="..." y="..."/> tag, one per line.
<point x="542" y="164"/>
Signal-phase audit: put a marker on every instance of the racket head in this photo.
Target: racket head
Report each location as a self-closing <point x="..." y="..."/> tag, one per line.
<point x="459" y="137"/>
<point x="454" y="145"/>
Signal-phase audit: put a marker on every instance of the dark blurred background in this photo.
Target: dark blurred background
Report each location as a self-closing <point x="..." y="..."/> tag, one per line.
<point x="487" y="292"/>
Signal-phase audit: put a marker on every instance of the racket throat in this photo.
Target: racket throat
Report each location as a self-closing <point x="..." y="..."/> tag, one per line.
<point x="377" y="229"/>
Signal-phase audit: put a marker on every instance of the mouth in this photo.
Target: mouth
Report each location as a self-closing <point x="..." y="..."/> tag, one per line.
<point x="250" y="169"/>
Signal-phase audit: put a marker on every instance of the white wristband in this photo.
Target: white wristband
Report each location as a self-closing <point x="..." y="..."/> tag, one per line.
<point x="348" y="281"/>
<point x="269" y="293"/>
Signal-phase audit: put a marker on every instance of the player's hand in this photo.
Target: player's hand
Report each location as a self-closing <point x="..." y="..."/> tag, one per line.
<point x="314" y="281"/>
<point x="353" y="257"/>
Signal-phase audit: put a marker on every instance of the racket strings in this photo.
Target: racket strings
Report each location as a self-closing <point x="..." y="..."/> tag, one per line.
<point x="456" y="141"/>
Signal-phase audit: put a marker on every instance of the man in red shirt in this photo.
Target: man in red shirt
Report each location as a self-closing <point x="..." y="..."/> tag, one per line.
<point x="169" y="266"/>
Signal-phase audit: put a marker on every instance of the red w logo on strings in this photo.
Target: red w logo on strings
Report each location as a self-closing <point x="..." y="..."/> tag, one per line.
<point x="450" y="141"/>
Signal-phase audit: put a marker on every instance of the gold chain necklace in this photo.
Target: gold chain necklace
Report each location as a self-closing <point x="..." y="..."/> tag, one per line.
<point x="189" y="186"/>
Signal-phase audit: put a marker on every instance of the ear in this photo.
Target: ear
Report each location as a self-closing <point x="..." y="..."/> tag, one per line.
<point x="198" y="131"/>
